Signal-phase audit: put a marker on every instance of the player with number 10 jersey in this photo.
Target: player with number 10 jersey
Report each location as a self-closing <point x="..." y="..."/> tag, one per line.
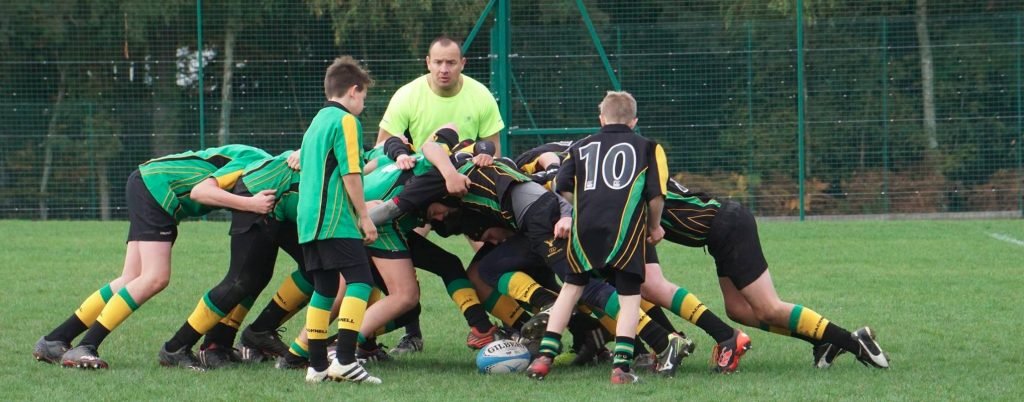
<point x="612" y="175"/>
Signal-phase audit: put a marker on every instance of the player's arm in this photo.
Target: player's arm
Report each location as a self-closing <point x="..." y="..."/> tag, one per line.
<point x="565" y="181"/>
<point x="209" y="192"/>
<point x="564" y="224"/>
<point x="484" y="159"/>
<point x="354" y="187"/>
<point x="350" y="158"/>
<point x="656" y="188"/>
<point x="456" y="183"/>
<point x="399" y="151"/>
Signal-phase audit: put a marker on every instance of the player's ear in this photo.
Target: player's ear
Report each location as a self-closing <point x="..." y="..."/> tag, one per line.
<point x="632" y="124"/>
<point x="601" y="118"/>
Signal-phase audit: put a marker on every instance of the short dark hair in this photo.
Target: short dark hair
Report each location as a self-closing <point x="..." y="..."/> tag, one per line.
<point x="342" y="74"/>
<point x="444" y="40"/>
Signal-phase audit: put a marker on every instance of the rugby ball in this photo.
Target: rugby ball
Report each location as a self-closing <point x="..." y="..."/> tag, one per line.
<point x="502" y="356"/>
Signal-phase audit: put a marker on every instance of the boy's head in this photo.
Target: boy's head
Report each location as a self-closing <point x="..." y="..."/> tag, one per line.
<point x="618" y="107"/>
<point x="346" y="81"/>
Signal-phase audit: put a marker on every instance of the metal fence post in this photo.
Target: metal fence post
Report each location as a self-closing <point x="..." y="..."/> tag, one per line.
<point x="800" y="101"/>
<point x="503" y="70"/>
<point x="1020" y="132"/>
<point x="885" y="114"/>
<point x="199" y="60"/>
<point x="752" y="200"/>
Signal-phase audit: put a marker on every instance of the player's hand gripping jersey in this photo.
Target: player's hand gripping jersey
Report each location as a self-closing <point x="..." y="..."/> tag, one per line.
<point x="171" y="178"/>
<point x="611" y="175"/>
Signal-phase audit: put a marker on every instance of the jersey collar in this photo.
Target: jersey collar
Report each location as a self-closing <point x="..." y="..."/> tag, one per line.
<point x="337" y="105"/>
<point x="615" y="128"/>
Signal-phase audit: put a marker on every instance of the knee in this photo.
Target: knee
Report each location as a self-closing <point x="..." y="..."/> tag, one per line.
<point x="771" y="314"/>
<point x="156" y="284"/>
<point x="490" y="277"/>
<point x="407" y="300"/>
<point x="736" y="314"/>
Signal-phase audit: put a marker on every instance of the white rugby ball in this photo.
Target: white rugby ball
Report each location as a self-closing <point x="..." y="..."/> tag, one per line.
<point x="502" y="356"/>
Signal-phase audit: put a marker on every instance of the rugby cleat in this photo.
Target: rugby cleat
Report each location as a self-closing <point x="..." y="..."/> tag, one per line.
<point x="49" y="351"/>
<point x="646" y="362"/>
<point x="291" y="362"/>
<point x="535" y="327"/>
<point x="83" y="357"/>
<point x="249" y="355"/>
<point x="408" y="343"/>
<point x="313" y="376"/>
<point x="620" y="377"/>
<point x="215" y="356"/>
<point x="375" y="353"/>
<point x="476" y="339"/>
<point x="825" y="354"/>
<point x="726" y="354"/>
<point x="267" y="342"/>
<point x="352" y="372"/>
<point x="539" y="368"/>
<point x="678" y="348"/>
<point x="179" y="358"/>
<point x="870" y="354"/>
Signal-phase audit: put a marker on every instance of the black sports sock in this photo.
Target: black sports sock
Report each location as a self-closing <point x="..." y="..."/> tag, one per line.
<point x="67" y="330"/>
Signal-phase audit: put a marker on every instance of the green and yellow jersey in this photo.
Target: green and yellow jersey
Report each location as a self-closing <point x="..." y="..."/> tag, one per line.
<point x="274" y="174"/>
<point x="331" y="148"/>
<point x="171" y="178"/>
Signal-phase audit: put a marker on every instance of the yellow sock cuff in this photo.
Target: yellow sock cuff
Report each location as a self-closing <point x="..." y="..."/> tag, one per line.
<point x="117" y="310"/>
<point x="93" y="305"/>
<point x="293" y="292"/>
<point x="506" y="309"/>
<point x="353" y="306"/>
<point x="299" y="348"/>
<point x="465" y="298"/>
<point x="205" y="316"/>
<point x="806" y="322"/>
<point x="236" y="316"/>
<point x="643" y="322"/>
<point x="375" y="295"/>
<point x="687" y="306"/>
<point x="318" y="316"/>
<point x="518" y="285"/>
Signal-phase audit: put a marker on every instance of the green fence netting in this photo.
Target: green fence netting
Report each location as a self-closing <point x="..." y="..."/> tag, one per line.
<point x="908" y="107"/>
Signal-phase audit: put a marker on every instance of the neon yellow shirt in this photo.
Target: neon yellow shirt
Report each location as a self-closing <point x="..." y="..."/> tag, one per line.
<point x="417" y="109"/>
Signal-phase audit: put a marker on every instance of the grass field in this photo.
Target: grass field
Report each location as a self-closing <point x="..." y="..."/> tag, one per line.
<point x="944" y="297"/>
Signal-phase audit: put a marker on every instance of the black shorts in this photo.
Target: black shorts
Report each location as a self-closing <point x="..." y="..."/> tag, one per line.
<point x="517" y="254"/>
<point x="539" y="228"/>
<point x="651" y="255"/>
<point x="243" y="221"/>
<point x="345" y="255"/>
<point x="625" y="283"/>
<point x="734" y="243"/>
<point x="147" y="220"/>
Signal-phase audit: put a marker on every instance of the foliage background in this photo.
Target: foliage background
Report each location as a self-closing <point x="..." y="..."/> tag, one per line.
<point x="91" y="88"/>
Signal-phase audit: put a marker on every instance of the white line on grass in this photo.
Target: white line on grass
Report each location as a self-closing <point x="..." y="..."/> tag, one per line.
<point x="1007" y="239"/>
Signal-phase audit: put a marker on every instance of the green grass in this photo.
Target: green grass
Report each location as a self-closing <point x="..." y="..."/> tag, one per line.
<point x="944" y="297"/>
